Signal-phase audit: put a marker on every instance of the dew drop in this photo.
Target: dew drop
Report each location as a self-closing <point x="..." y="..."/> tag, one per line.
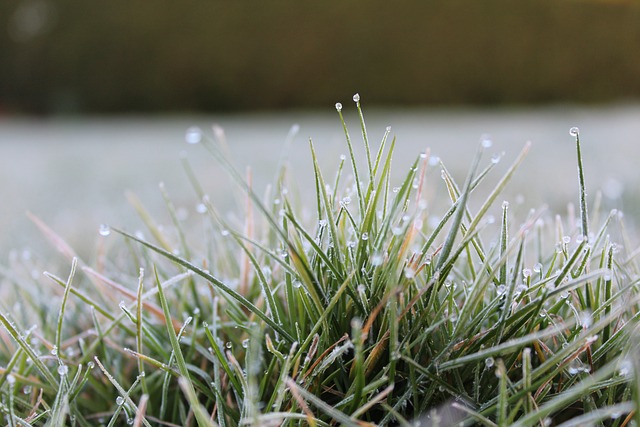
<point x="526" y="273"/>
<point x="345" y="201"/>
<point x="27" y="389"/>
<point x="489" y="362"/>
<point x="229" y="344"/>
<point x="63" y="370"/>
<point x="11" y="379"/>
<point x="343" y="157"/>
<point x="104" y="230"/>
<point x="505" y="205"/>
<point x="365" y="236"/>
<point x="586" y="320"/>
<point x="296" y="284"/>
<point x="388" y="128"/>
<point x="193" y="135"/>
<point x="201" y="208"/>
<point x="322" y="223"/>
<point x="537" y="267"/>
<point x="409" y="273"/>
<point x="396" y="189"/>
<point x="119" y="400"/>
<point x="574" y="131"/>
<point x="245" y="343"/>
<point x="486" y="141"/>
<point x="496" y="159"/>
<point x="224" y="233"/>
<point x="338" y="106"/>
<point x="423" y="155"/>
<point x="130" y="421"/>
<point x="356" y="98"/>
<point x="626" y="367"/>
<point x="54" y="351"/>
<point x="521" y="288"/>
<point x="566" y="239"/>
<point x="501" y="289"/>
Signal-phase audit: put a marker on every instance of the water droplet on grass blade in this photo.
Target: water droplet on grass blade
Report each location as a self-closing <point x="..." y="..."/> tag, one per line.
<point x="388" y="128"/>
<point x="501" y="289"/>
<point x="104" y="230"/>
<point x="489" y="362"/>
<point x="626" y="368"/>
<point x="586" y="320"/>
<point x="245" y="343"/>
<point x="365" y="236"/>
<point x="338" y="106"/>
<point x="356" y="97"/>
<point x="574" y="131"/>
<point x="27" y="389"/>
<point x="193" y="135"/>
<point x="486" y="141"/>
<point x="11" y="379"/>
<point x="119" y="400"/>
<point x="54" y="351"/>
<point x="63" y="370"/>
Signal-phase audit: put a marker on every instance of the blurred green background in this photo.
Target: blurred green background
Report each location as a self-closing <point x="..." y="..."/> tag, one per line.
<point x="117" y="56"/>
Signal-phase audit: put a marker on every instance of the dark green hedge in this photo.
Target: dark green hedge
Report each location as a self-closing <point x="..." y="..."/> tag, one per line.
<point x="170" y="55"/>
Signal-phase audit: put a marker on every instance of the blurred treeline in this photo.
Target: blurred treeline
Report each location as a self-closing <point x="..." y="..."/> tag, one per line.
<point x="168" y="55"/>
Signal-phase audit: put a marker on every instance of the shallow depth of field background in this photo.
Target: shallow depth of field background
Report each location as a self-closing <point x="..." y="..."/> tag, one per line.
<point x="95" y="98"/>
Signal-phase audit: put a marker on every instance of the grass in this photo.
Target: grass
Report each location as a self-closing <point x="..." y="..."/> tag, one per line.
<point x="358" y="311"/>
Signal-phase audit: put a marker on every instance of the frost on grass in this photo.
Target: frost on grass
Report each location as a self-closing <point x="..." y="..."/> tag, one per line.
<point x="385" y="298"/>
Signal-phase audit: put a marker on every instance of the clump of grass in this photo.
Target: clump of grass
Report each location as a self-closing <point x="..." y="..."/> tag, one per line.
<point x="365" y="314"/>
